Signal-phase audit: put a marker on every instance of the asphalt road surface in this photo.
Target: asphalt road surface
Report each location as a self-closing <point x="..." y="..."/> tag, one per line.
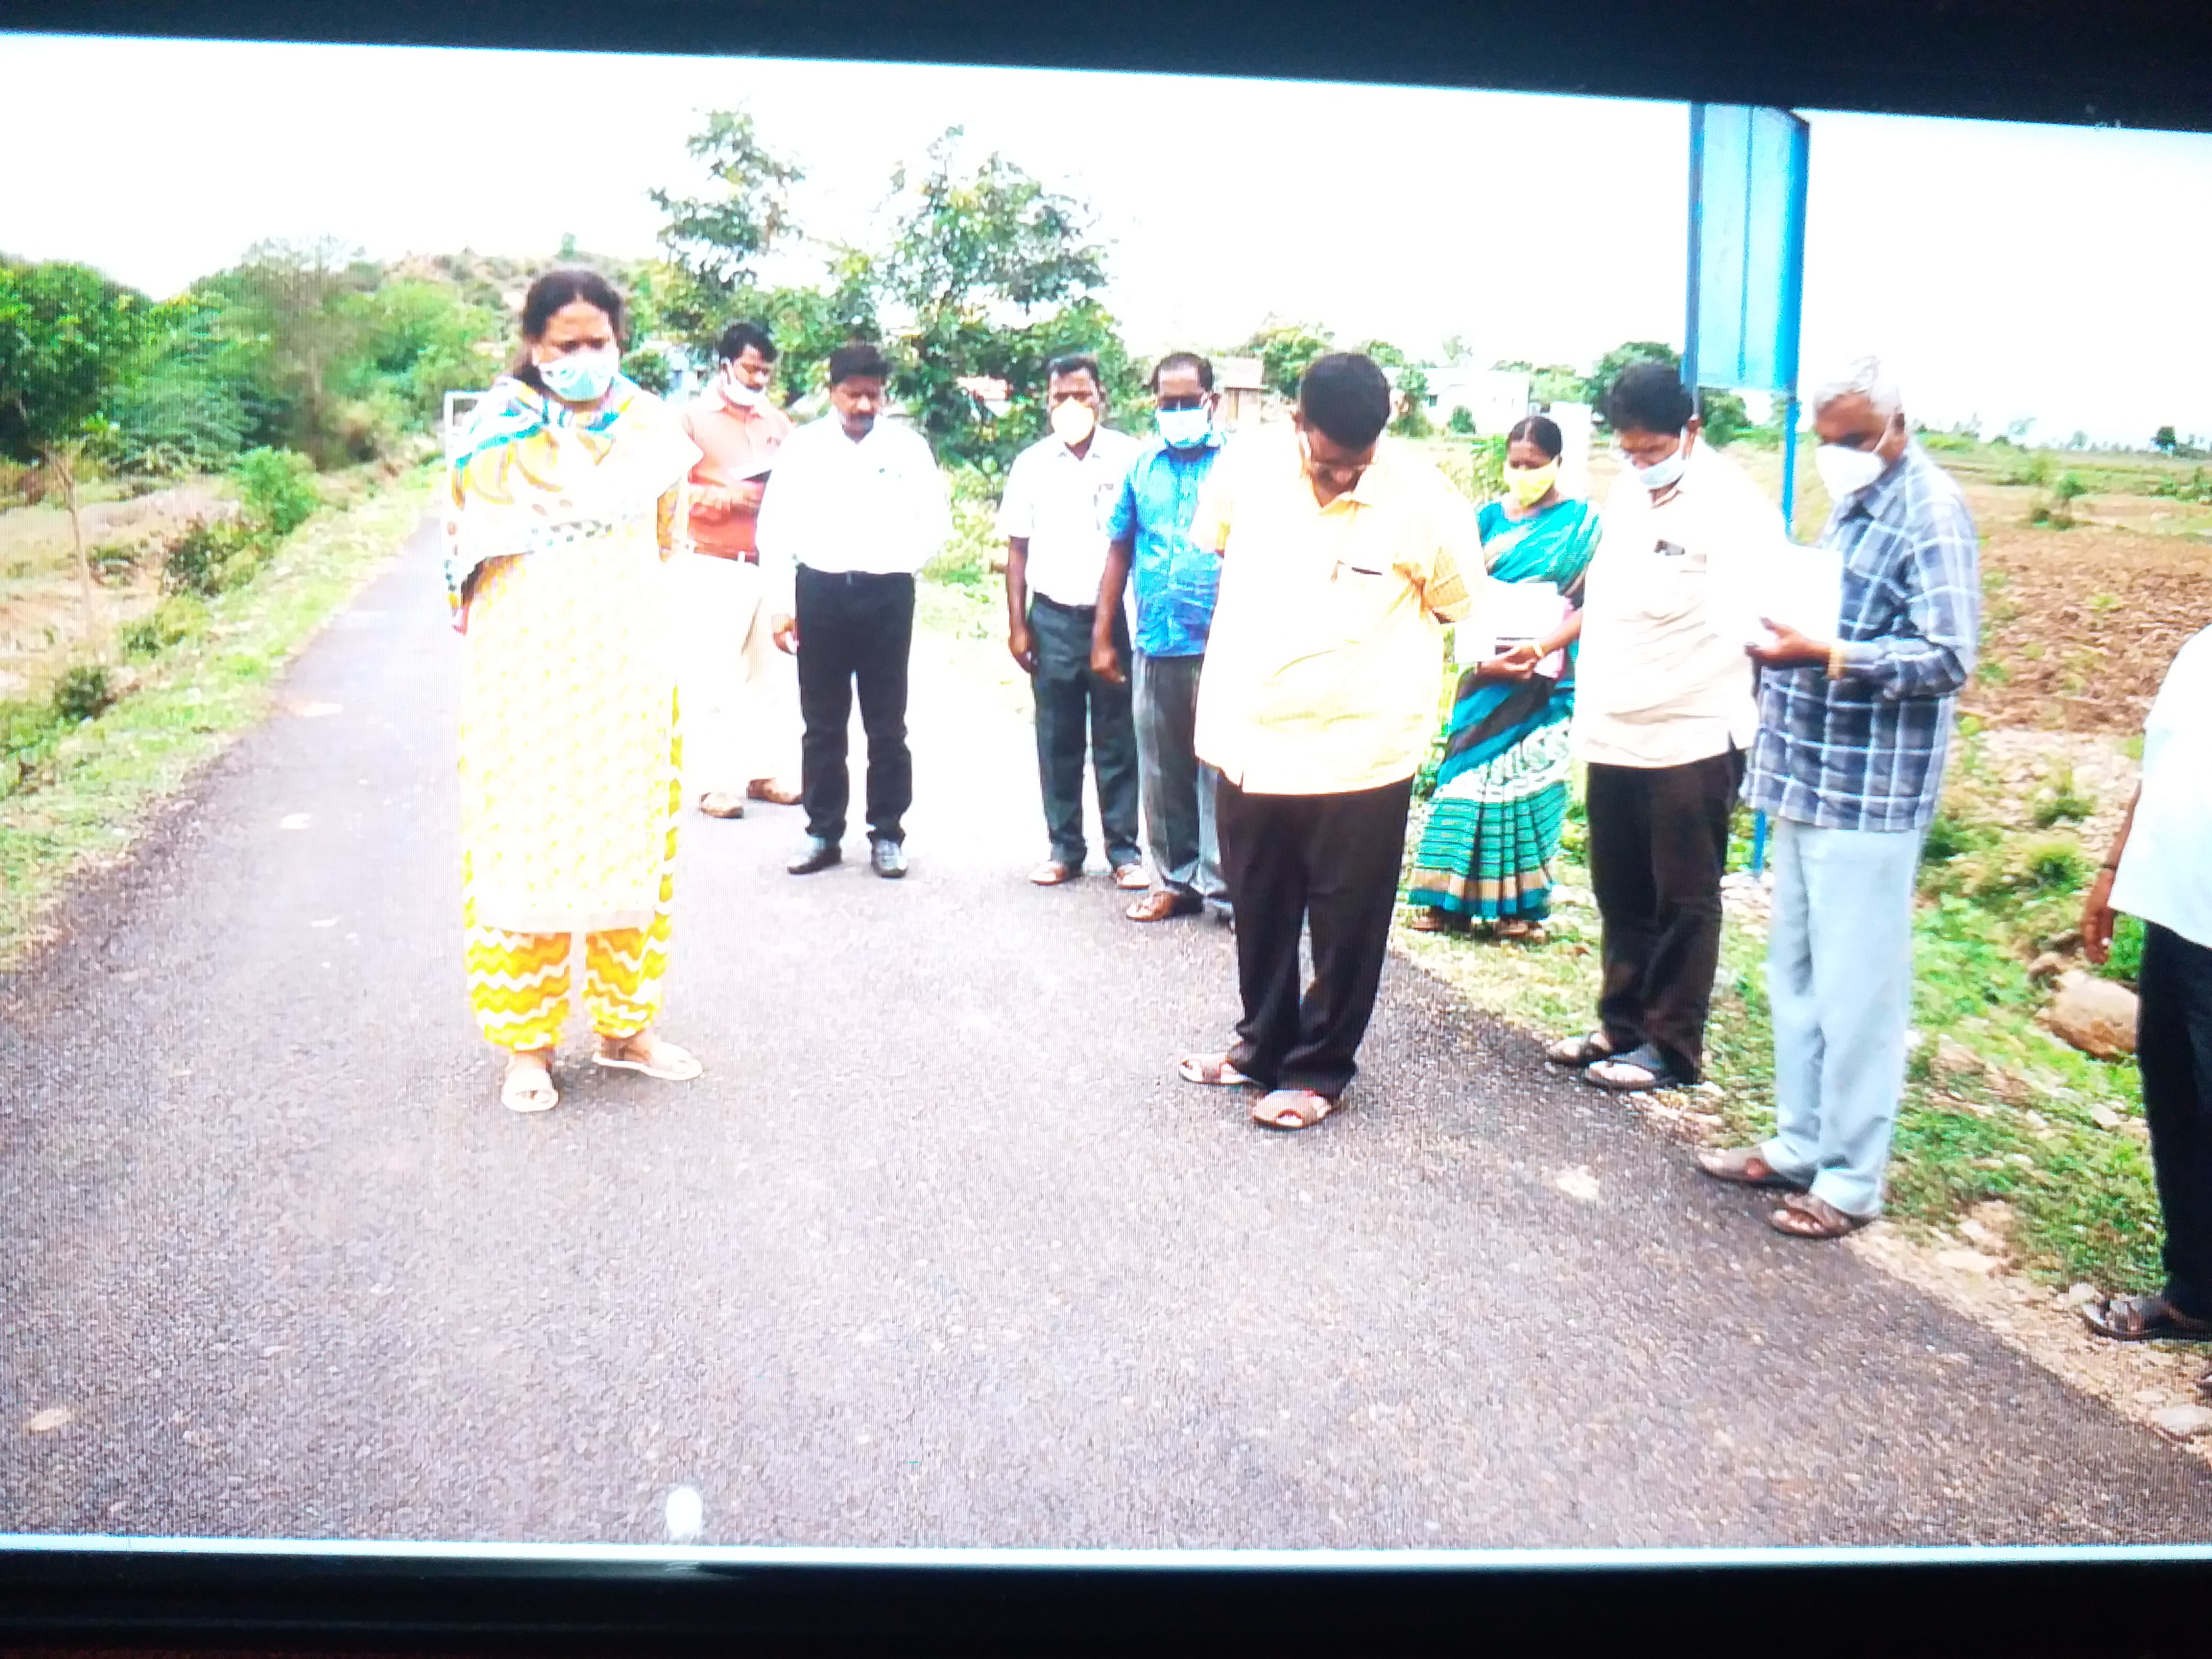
<point x="938" y="1252"/>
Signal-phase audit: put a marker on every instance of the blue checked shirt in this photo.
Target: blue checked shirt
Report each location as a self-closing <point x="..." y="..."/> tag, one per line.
<point x="1175" y="579"/>
<point x="1866" y="752"/>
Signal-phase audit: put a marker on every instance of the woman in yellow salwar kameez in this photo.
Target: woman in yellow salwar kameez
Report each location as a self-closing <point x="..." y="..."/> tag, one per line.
<point x="566" y="499"/>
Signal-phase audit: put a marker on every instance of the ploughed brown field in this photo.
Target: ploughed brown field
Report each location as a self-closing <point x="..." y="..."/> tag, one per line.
<point x="2082" y="623"/>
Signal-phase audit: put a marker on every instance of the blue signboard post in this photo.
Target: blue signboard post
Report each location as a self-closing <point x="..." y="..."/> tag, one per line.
<point x="1748" y="169"/>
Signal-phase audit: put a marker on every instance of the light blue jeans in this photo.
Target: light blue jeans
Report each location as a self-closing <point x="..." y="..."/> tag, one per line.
<point x="1839" y="978"/>
<point x="1178" y="786"/>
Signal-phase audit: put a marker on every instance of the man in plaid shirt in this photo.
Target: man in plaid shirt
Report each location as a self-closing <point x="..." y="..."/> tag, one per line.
<point x="1848" y="764"/>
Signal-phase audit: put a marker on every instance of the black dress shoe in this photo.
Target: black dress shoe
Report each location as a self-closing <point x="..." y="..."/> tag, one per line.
<point x="889" y="860"/>
<point x="820" y="855"/>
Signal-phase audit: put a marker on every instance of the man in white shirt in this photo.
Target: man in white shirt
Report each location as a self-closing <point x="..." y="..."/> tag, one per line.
<point x="2160" y="870"/>
<point x="855" y="507"/>
<point x="1663" y="717"/>
<point x="1059" y="494"/>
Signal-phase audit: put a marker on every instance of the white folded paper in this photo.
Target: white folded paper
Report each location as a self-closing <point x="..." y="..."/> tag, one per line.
<point x="1799" y="588"/>
<point x="1507" y="614"/>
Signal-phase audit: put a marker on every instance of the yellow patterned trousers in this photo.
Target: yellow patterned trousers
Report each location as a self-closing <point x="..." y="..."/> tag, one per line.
<point x="519" y="983"/>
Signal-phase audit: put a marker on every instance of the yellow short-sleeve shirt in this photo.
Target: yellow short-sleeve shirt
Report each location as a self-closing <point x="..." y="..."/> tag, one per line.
<point x="1325" y="663"/>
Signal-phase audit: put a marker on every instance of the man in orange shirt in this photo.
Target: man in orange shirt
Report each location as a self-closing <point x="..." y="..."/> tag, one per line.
<point x="739" y="693"/>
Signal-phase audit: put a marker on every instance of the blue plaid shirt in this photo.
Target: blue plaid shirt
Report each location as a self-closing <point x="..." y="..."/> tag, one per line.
<point x="1866" y="752"/>
<point x="1175" y="579"/>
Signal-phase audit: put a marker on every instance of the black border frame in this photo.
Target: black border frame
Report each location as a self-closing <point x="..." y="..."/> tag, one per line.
<point x="2136" y="62"/>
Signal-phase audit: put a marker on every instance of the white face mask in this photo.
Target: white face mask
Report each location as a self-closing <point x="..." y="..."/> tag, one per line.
<point x="739" y="395"/>
<point x="1184" y="429"/>
<point x="1845" y="470"/>
<point x="580" y="377"/>
<point x="1072" y="422"/>
<point x="1662" y="474"/>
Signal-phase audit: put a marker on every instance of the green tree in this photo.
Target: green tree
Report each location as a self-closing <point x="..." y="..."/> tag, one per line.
<point x="1726" y="419"/>
<point x="2164" y="439"/>
<point x="1286" y="351"/>
<point x="291" y="310"/>
<point x="69" y="340"/>
<point x="990" y="273"/>
<point x="715" y="242"/>
<point x="1552" y="383"/>
<point x="808" y="324"/>
<point x="188" y="411"/>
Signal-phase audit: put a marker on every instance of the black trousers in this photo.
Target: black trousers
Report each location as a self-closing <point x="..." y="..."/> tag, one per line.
<point x="1069" y="697"/>
<point x="854" y="628"/>
<point x="2173" y="1051"/>
<point x="1658" y="848"/>
<point x="1330" y="862"/>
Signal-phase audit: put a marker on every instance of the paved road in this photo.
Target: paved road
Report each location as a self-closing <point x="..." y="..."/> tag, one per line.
<point x="938" y="1252"/>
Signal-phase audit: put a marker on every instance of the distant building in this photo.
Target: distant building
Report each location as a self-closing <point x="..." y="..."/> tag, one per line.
<point x="1243" y="384"/>
<point x="993" y="393"/>
<point x="1493" y="397"/>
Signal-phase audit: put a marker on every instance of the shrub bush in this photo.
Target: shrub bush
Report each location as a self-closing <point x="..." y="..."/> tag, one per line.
<point x="169" y="623"/>
<point x="276" y="489"/>
<point x="207" y="558"/>
<point x="81" y="692"/>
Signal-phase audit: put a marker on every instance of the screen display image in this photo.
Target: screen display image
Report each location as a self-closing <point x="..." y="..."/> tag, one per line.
<point x="778" y="802"/>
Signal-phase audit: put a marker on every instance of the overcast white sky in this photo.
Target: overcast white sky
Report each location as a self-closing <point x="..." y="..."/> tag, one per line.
<point x="2006" y="270"/>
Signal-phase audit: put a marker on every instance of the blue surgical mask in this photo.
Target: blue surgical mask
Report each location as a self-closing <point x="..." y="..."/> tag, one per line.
<point x="580" y="377"/>
<point x="1184" y="429"/>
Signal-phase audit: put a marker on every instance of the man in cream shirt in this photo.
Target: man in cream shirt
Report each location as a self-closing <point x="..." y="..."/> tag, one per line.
<point x="1342" y="557"/>
<point x="1663" y="718"/>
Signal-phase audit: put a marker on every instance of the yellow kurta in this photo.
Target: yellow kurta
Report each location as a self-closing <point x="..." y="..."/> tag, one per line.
<point x="569" y="750"/>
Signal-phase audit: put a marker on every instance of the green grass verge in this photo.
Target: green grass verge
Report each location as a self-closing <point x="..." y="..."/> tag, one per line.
<point x="2020" y="1124"/>
<point x="95" y="788"/>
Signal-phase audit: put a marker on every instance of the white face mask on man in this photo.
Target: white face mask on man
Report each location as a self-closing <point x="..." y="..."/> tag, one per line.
<point x="1661" y="474"/>
<point x="1845" y="470"/>
<point x="739" y="395"/>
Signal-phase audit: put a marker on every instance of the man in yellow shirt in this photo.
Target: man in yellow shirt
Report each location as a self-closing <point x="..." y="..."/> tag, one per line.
<point x="1341" y="560"/>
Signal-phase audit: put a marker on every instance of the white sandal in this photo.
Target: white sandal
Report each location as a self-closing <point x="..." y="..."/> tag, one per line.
<point x="529" y="1089"/>
<point x="669" y="1063"/>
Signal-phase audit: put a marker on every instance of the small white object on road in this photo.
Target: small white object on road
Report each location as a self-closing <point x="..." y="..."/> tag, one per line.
<point x="2183" y="1422"/>
<point x="315" y="711"/>
<point x="294" y="821"/>
<point x="1577" y="1182"/>
<point x="54" y="1417"/>
<point x="686" y="1515"/>
<point x="327" y="921"/>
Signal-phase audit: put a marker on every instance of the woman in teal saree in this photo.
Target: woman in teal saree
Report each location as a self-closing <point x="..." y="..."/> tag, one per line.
<point x="1502" y="789"/>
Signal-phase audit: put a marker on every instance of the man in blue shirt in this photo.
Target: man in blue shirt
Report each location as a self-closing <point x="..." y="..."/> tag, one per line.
<point x="1176" y="579"/>
<point x="1853" y="732"/>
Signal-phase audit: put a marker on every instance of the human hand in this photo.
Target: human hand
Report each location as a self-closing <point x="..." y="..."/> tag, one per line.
<point x="785" y="630"/>
<point x="2097" y="920"/>
<point x="1510" y="665"/>
<point x="1789" y="648"/>
<point x="1106" y="663"/>
<point x="1022" y="646"/>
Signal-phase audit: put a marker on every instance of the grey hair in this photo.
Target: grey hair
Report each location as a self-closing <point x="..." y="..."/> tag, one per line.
<point x="1863" y="378"/>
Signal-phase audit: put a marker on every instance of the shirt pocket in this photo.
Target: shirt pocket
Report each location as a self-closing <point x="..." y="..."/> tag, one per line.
<point x="1358" y="599"/>
<point x="1671" y="585"/>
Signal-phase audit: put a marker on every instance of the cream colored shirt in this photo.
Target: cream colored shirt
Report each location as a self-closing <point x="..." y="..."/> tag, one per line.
<point x="1670" y="601"/>
<point x="1324" y="667"/>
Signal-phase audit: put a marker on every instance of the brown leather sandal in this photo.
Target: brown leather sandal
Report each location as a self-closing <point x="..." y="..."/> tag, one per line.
<point x="1745" y="1168"/>
<point x="1804" y="1216"/>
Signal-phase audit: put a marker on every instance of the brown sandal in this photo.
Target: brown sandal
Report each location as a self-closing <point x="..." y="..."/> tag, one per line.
<point x="1291" y="1109"/>
<point x="1214" y="1071"/>
<point x="1745" y="1168"/>
<point x="1803" y="1215"/>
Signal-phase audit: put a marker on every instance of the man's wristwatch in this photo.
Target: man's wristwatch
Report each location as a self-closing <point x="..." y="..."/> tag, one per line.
<point x="1835" y="660"/>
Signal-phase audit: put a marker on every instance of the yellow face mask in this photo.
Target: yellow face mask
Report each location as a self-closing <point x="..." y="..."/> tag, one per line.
<point x="1527" y="485"/>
